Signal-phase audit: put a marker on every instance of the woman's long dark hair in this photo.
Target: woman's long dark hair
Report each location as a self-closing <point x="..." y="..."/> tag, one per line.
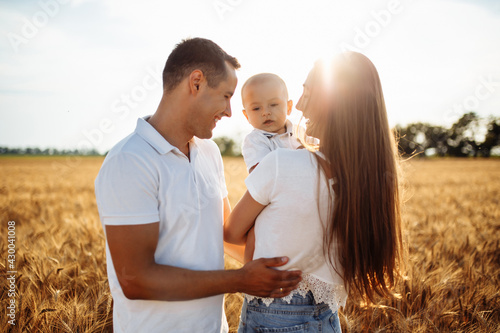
<point x="364" y="229"/>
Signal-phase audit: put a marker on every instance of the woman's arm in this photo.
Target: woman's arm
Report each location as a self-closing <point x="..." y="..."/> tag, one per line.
<point x="241" y="219"/>
<point x="250" y="245"/>
<point x="235" y="251"/>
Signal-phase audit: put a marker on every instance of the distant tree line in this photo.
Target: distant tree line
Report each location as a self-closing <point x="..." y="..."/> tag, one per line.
<point x="470" y="135"/>
<point x="47" y="152"/>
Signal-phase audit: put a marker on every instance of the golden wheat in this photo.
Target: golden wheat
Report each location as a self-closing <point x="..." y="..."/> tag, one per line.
<point x="453" y="271"/>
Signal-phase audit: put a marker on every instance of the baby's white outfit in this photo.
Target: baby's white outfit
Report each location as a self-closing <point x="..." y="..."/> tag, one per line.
<point x="259" y="143"/>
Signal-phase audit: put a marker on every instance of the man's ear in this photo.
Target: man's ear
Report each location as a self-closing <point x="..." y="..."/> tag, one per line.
<point x="195" y="79"/>
<point x="245" y="113"/>
<point x="289" y="106"/>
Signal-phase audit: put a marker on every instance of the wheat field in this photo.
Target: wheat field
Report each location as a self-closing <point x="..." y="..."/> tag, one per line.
<point x="451" y="214"/>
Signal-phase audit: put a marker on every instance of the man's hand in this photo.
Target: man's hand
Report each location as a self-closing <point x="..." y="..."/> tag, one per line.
<point x="260" y="279"/>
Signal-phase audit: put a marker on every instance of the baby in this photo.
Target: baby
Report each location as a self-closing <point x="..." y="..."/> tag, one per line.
<point x="266" y="106"/>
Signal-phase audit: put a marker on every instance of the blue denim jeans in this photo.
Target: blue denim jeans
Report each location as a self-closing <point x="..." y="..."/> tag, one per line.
<point x="303" y="314"/>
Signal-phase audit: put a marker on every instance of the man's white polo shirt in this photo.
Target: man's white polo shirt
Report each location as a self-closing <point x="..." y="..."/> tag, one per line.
<point x="144" y="179"/>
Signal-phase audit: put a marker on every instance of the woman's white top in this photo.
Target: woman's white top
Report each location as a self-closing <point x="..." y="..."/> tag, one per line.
<point x="295" y="192"/>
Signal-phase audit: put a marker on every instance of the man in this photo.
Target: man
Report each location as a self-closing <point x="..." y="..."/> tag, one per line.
<point x="162" y="201"/>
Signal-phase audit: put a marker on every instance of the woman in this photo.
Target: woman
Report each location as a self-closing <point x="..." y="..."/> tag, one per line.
<point x="332" y="209"/>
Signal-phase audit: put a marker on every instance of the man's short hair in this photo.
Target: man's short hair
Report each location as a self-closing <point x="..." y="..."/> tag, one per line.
<point x="197" y="53"/>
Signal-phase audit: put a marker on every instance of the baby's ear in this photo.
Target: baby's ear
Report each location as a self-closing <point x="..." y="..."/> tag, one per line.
<point x="245" y="113"/>
<point x="289" y="106"/>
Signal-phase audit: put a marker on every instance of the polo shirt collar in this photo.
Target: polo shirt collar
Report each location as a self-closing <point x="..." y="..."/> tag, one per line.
<point x="289" y="130"/>
<point x="151" y="136"/>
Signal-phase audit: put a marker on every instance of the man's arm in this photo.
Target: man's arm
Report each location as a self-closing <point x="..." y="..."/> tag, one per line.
<point x="132" y="249"/>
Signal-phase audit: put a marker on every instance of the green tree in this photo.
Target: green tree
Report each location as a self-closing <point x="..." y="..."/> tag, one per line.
<point x="463" y="134"/>
<point x="226" y="145"/>
<point x="492" y="138"/>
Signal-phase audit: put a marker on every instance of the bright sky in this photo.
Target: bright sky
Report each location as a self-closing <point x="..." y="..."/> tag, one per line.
<point x="77" y="74"/>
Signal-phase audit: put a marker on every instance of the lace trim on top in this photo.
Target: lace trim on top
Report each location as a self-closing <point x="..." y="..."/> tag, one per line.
<point x="334" y="295"/>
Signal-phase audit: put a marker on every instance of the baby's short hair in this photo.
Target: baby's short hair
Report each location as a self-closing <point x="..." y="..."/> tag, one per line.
<point x="262" y="77"/>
